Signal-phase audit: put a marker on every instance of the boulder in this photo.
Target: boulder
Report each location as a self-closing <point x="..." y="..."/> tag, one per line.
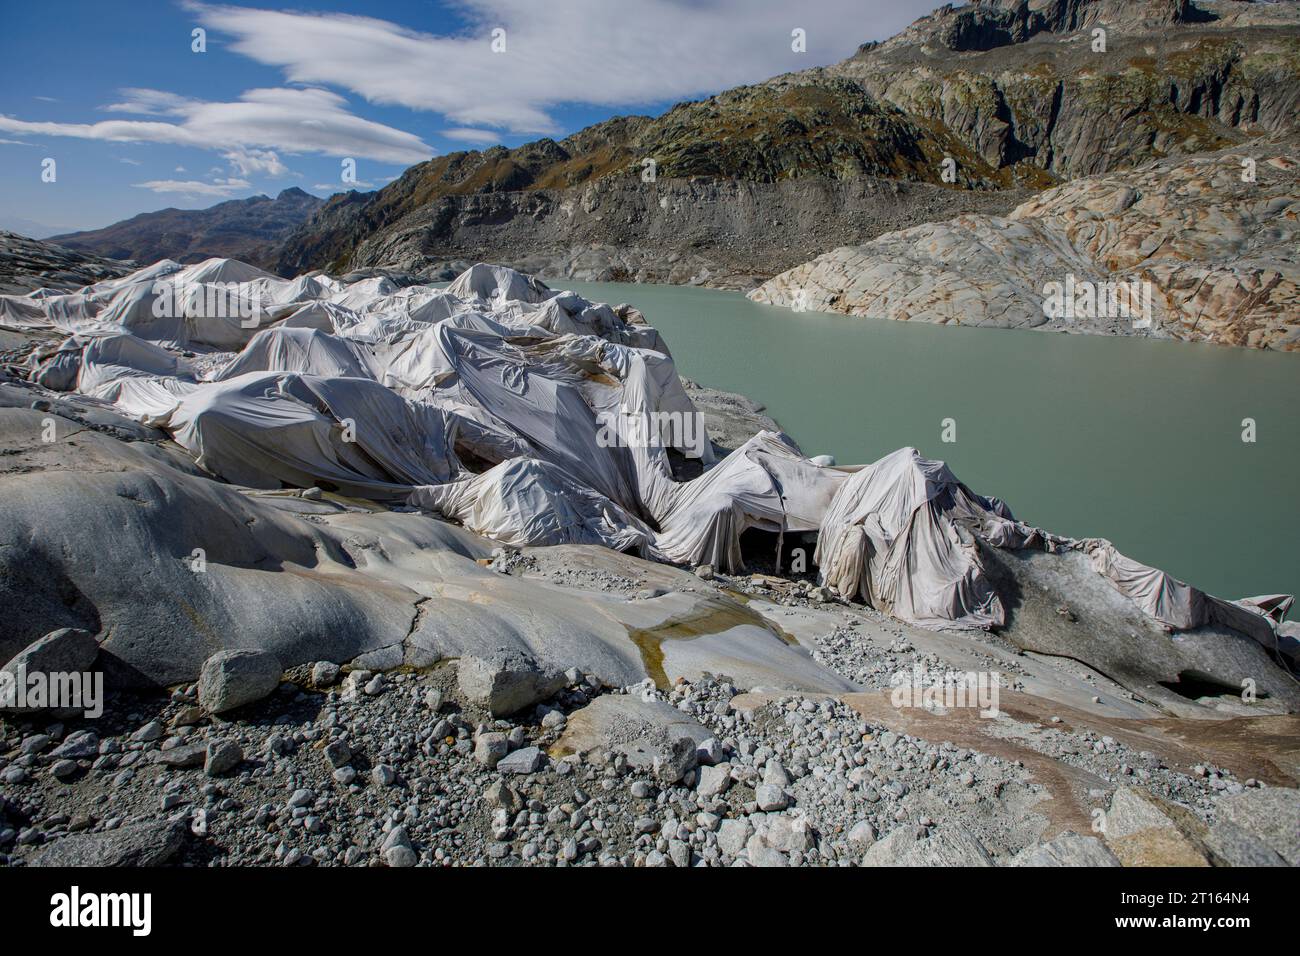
<point x="1271" y="815"/>
<point x="501" y="796"/>
<point x="231" y="679"/>
<point x="713" y="781"/>
<point x="505" y="682"/>
<point x="1231" y="845"/>
<point x="325" y="673"/>
<point x="489" y="748"/>
<point x="675" y="759"/>
<point x="523" y="760"/>
<point x="78" y="745"/>
<point x="786" y="832"/>
<point x="946" y="846"/>
<point x="1143" y="830"/>
<point x="221" y="757"/>
<point x="183" y="756"/>
<point x="654" y="736"/>
<point x="69" y="650"/>
<point x="145" y="844"/>
<point x="1068" y="849"/>
<point x="733" y="835"/>
<point x="770" y="797"/>
<point x="862" y="834"/>
<point x="760" y="854"/>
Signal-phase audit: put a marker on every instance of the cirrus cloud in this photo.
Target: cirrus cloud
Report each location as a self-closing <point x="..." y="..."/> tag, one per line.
<point x="222" y="188"/>
<point x="285" y="120"/>
<point x="466" y="134"/>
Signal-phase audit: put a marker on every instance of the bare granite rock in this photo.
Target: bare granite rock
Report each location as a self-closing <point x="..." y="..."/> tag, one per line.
<point x="507" y="681"/>
<point x="1218" y="253"/>
<point x="230" y="679"/>
<point x="146" y="844"/>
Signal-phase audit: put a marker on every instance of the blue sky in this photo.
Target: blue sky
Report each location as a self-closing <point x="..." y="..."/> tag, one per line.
<point x="135" y="120"/>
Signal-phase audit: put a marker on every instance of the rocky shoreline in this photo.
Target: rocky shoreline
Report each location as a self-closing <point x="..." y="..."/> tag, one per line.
<point x="353" y="768"/>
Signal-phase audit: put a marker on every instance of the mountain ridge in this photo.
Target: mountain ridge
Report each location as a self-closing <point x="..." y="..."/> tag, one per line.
<point x="1013" y="92"/>
<point x="754" y="180"/>
<point x="248" y="229"/>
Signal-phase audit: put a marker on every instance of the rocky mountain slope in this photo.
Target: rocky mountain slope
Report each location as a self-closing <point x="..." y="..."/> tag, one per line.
<point x="756" y="179"/>
<point x="30" y="264"/>
<point x="1217" y="255"/>
<point x="247" y="229"/>
<point x="1027" y="88"/>
<point x="742" y="182"/>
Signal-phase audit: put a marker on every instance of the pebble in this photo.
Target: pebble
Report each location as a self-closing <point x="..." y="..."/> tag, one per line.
<point x="222" y="757"/>
<point x="338" y="753"/>
<point x="325" y="673"/>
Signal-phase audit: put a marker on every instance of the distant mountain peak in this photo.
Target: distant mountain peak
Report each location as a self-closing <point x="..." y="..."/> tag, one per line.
<point x="247" y="229"/>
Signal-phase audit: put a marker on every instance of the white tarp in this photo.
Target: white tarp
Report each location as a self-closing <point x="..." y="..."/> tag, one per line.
<point x="268" y="429"/>
<point x="307" y="351"/>
<point x="529" y="502"/>
<point x="893" y="537"/>
<point x="533" y="417"/>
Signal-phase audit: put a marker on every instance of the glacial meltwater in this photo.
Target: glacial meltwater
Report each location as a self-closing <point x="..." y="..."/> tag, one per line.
<point x="1132" y="439"/>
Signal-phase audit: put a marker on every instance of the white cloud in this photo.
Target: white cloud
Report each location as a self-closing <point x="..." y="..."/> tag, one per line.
<point x="467" y="134"/>
<point x="250" y="162"/>
<point x="129" y="161"/>
<point x="14" y="142"/>
<point x="192" y="187"/>
<point x="280" y="120"/>
<point x="150" y="102"/>
<point x="563" y="51"/>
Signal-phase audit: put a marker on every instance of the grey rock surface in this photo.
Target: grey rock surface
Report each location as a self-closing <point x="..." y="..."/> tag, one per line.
<point x="506" y="682"/>
<point x="1068" y="849"/>
<point x="233" y="678"/>
<point x="147" y="844"/>
<point x="1227" y="274"/>
<point x="69" y="650"/>
<point x="30" y="264"/>
<point x="1271" y="815"/>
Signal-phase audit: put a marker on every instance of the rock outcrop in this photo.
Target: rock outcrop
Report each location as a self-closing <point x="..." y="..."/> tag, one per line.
<point x="1034" y="87"/>
<point x="1200" y="249"/>
<point x="30" y="264"/>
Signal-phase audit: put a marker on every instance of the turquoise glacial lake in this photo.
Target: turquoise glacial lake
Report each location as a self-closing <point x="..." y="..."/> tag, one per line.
<point x="1135" y="440"/>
